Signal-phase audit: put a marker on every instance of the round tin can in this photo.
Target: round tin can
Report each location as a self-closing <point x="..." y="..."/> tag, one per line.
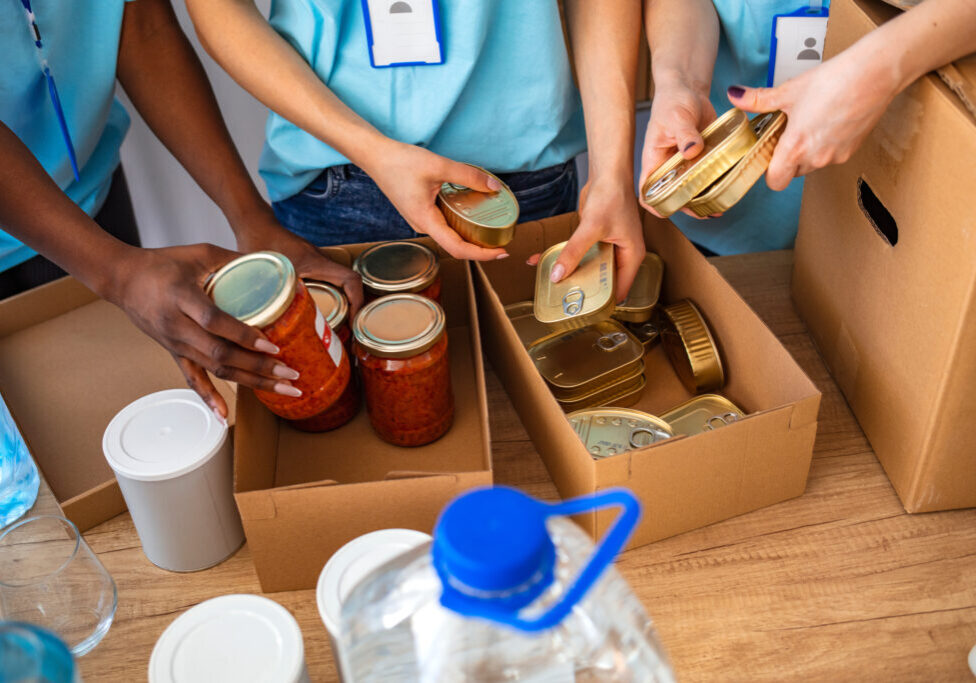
<point x="726" y="192"/>
<point x="399" y="267"/>
<point x="691" y="347"/>
<point x="484" y="218"/>
<point x="702" y="414"/>
<point x="643" y="295"/>
<point x="610" y="431"/>
<point x="583" y="297"/>
<point x="675" y="182"/>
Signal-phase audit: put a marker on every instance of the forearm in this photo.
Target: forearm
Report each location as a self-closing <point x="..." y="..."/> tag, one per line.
<point x="683" y="38"/>
<point x="605" y="38"/>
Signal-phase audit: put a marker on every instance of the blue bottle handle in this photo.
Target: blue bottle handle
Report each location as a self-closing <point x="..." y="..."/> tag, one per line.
<point x="603" y="556"/>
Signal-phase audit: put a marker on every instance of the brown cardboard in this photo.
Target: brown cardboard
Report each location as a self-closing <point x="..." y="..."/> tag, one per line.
<point x="684" y="482"/>
<point x="68" y="363"/>
<point x="302" y="496"/>
<point x="896" y="325"/>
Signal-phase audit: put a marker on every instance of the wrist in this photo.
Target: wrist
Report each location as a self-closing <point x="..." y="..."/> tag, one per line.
<point x="674" y="78"/>
<point x="110" y="283"/>
<point x="373" y="150"/>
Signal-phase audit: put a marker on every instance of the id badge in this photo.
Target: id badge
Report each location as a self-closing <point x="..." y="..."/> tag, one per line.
<point x="797" y="43"/>
<point x="402" y="32"/>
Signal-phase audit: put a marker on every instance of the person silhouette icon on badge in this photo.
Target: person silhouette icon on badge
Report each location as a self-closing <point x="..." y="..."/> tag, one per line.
<point x="809" y="53"/>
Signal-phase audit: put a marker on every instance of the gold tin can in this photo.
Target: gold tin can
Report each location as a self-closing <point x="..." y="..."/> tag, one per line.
<point x="484" y="218"/>
<point x="702" y="414"/>
<point x="623" y="394"/>
<point x="675" y="182"/>
<point x="579" y="362"/>
<point x="648" y="333"/>
<point x="609" y="431"/>
<point x="529" y="330"/>
<point x="642" y="297"/>
<point x="582" y="298"/>
<point x="691" y="347"/>
<point x="726" y="192"/>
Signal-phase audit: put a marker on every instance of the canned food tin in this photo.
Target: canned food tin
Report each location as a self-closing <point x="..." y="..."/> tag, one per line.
<point x="642" y="297"/>
<point x="648" y="334"/>
<point x="627" y="393"/>
<point x="578" y="362"/>
<point x="529" y="330"/>
<point x="484" y="218"/>
<point x="581" y="298"/>
<point x="691" y="347"/>
<point x="675" y="182"/>
<point x="609" y="431"/>
<point x="726" y="192"/>
<point x="702" y="414"/>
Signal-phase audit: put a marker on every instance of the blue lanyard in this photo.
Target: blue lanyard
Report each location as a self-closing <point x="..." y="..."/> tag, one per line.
<point x="52" y="90"/>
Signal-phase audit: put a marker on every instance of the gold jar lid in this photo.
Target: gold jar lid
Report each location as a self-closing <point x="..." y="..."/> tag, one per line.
<point x="577" y="362"/>
<point x="702" y="414"/>
<point x="399" y="325"/>
<point x="691" y="347"/>
<point x="330" y="301"/>
<point x="529" y="330"/>
<point x="583" y="297"/>
<point x="642" y="297"/>
<point x="726" y="192"/>
<point x="647" y="333"/>
<point x="255" y="288"/>
<point x="484" y="218"/>
<point x="399" y="266"/>
<point x="675" y="182"/>
<point x="610" y="431"/>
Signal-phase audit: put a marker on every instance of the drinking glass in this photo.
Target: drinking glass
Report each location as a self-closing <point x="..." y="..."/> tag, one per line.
<point x="50" y="577"/>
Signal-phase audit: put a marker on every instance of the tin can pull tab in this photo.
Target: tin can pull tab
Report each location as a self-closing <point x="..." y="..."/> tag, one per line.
<point x="655" y="434"/>
<point x="611" y="341"/>
<point x="716" y="421"/>
<point x="662" y="182"/>
<point x="573" y="301"/>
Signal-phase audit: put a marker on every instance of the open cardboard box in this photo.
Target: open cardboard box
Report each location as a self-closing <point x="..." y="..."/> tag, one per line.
<point x="68" y="363"/>
<point x="302" y="496"/>
<point x="683" y="482"/>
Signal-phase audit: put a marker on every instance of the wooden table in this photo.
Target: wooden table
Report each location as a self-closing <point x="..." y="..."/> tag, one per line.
<point x="839" y="584"/>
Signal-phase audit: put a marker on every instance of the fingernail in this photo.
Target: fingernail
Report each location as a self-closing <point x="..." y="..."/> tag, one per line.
<point x="501" y="256"/>
<point x="494" y="184"/>
<point x="264" y="346"/>
<point x="689" y="146"/>
<point x="220" y="418"/>
<point x="287" y="390"/>
<point x="736" y="91"/>
<point x="557" y="272"/>
<point x="284" y="372"/>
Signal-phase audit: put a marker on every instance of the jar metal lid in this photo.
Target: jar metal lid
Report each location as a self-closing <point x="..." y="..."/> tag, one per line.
<point x="583" y="297"/>
<point x="726" y="192"/>
<point x="484" y="218"/>
<point x="675" y="182"/>
<point x="400" y="266"/>
<point x="702" y="414"/>
<point x="643" y="295"/>
<point x="399" y="325"/>
<point x="691" y="347"/>
<point x="610" y="431"/>
<point x="580" y="361"/>
<point x="330" y="301"/>
<point x="255" y="288"/>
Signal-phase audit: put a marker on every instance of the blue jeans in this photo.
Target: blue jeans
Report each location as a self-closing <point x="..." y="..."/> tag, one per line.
<point x="344" y="206"/>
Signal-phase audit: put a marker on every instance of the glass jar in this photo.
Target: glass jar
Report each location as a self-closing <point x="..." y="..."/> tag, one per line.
<point x="262" y="290"/>
<point x="401" y="348"/>
<point x="399" y="268"/>
<point x="333" y="305"/>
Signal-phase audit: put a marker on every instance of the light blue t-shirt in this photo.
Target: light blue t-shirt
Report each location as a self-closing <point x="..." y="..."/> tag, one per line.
<point x="504" y="98"/>
<point x="81" y="43"/>
<point x="764" y="219"/>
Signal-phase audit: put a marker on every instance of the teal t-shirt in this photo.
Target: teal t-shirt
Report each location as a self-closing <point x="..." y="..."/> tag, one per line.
<point x="764" y="219"/>
<point x="81" y="43"/>
<point x="504" y="98"/>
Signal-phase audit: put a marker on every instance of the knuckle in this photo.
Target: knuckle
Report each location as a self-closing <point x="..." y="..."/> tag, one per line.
<point x="209" y="317"/>
<point x="223" y="372"/>
<point x="219" y="353"/>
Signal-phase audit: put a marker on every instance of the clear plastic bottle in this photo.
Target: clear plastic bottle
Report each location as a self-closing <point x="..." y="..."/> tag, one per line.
<point x="19" y="480"/>
<point x="508" y="590"/>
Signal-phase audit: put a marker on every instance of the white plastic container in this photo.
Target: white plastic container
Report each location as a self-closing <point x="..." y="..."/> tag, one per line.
<point x="231" y="639"/>
<point x="173" y="461"/>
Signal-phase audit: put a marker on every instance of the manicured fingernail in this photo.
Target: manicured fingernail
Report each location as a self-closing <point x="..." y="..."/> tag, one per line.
<point x="287" y="390"/>
<point x="736" y="91"/>
<point x="264" y="346"/>
<point x="284" y="372"/>
<point x="501" y="256"/>
<point x="689" y="146"/>
<point x="220" y="418"/>
<point x="494" y="184"/>
<point x="557" y="272"/>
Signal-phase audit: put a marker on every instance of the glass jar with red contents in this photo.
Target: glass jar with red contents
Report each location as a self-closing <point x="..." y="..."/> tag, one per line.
<point x="399" y="268"/>
<point x="262" y="290"/>
<point x="400" y="344"/>
<point x="333" y="305"/>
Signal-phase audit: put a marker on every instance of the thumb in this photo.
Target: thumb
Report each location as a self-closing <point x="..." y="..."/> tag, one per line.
<point x="755" y="100"/>
<point x="571" y="255"/>
<point x="471" y="177"/>
<point x="689" y="141"/>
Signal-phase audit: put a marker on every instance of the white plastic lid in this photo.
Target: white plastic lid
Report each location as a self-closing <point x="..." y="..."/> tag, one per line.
<point x="239" y="638"/>
<point x="352" y="562"/>
<point x="162" y="436"/>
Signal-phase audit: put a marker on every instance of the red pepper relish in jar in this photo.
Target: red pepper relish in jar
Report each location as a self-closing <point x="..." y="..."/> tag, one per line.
<point x="262" y="290"/>
<point x="401" y="348"/>
<point x="399" y="268"/>
<point x="333" y="305"/>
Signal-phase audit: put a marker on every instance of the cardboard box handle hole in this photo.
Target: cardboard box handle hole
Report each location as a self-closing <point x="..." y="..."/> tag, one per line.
<point x="877" y="214"/>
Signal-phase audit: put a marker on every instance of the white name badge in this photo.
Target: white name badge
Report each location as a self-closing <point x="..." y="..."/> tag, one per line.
<point x="402" y="32"/>
<point x="797" y="44"/>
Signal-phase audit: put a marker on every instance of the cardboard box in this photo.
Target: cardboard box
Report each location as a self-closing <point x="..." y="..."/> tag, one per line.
<point x="302" y="496"/>
<point x="68" y="363"/>
<point x="885" y="277"/>
<point x="684" y="482"/>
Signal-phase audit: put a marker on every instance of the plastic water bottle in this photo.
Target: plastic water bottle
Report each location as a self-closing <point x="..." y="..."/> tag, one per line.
<point x="18" y="473"/>
<point x="31" y="654"/>
<point x="508" y="590"/>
